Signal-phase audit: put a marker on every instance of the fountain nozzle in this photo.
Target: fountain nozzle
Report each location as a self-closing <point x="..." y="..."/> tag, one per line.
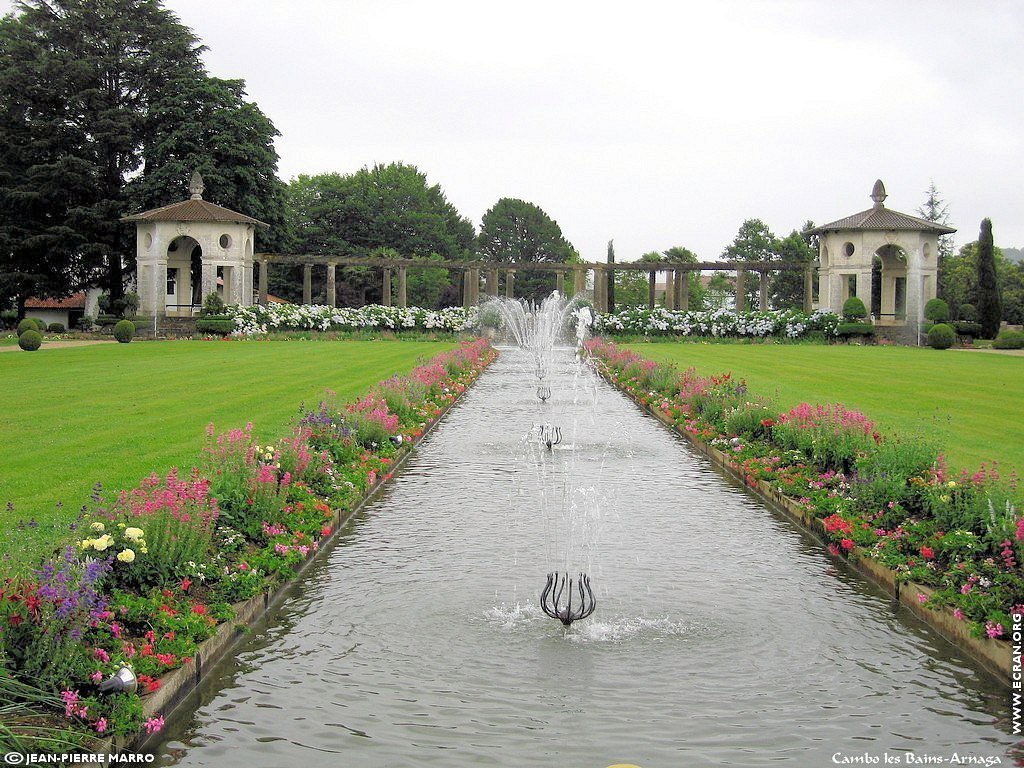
<point x="543" y="392"/>
<point x="550" y="436"/>
<point x="559" y="584"/>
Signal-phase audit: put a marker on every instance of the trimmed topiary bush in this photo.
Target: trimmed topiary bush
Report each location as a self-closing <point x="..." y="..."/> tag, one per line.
<point x="218" y="325"/>
<point x="854" y="309"/>
<point x="213" y="304"/>
<point x="30" y="340"/>
<point x="1009" y="340"/>
<point x="968" y="313"/>
<point x="941" y="336"/>
<point x="936" y="310"/>
<point x="56" y="328"/>
<point x="855" y="329"/>
<point x="28" y="324"/>
<point x="124" y="331"/>
<point x="965" y="328"/>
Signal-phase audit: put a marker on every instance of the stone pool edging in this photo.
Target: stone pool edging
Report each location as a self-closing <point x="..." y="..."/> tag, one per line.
<point x="179" y="683"/>
<point x="994" y="656"/>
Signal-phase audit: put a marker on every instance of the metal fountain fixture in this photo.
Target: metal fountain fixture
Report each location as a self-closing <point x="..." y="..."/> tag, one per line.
<point x="124" y="680"/>
<point x="567" y="599"/>
<point x="543" y="392"/>
<point x="549" y="435"/>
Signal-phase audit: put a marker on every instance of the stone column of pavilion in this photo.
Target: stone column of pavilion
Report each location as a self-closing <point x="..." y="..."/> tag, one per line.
<point x="907" y="250"/>
<point x="167" y="239"/>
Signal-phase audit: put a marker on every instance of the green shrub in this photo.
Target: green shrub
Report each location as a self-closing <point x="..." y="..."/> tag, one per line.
<point x="213" y="304"/>
<point x="124" y="331"/>
<point x="936" y="310"/>
<point x="1009" y="340"/>
<point x="883" y="479"/>
<point x="86" y="323"/>
<point x="855" y="329"/>
<point x="104" y="318"/>
<point x="28" y="324"/>
<point x="56" y="328"/>
<point x="751" y="420"/>
<point x="854" y="309"/>
<point x="941" y="336"/>
<point x="30" y="340"/>
<point x="968" y="313"/>
<point x="218" y="325"/>
<point x="966" y="328"/>
<point x="8" y="318"/>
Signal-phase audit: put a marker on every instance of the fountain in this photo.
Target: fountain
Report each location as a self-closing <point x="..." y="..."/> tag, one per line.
<point x="537" y="330"/>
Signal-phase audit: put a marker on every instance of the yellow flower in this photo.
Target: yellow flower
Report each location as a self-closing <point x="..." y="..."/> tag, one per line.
<point x="145" y="550"/>
<point x="103" y="542"/>
<point x="133" y="533"/>
<point x="126" y="556"/>
<point x="944" y="497"/>
<point x="86" y="543"/>
<point x="951" y="484"/>
<point x="98" y="527"/>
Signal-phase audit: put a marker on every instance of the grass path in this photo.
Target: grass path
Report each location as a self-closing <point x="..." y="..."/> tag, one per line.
<point x="116" y="413"/>
<point x="968" y="404"/>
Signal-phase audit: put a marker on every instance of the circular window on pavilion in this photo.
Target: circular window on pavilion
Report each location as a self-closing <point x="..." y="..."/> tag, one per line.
<point x="848" y="249"/>
<point x="225" y="241"/>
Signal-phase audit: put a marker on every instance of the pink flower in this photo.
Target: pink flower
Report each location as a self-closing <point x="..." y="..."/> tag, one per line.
<point x="834" y="550"/>
<point x="922" y="597"/>
<point x="847" y="544"/>
<point x="993" y="630"/>
<point x="101" y="654"/>
<point x="96" y="676"/>
<point x="957" y="613"/>
<point x="154" y="724"/>
<point x="101" y="725"/>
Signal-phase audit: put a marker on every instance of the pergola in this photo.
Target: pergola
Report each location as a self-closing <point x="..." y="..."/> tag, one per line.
<point x="676" y="290"/>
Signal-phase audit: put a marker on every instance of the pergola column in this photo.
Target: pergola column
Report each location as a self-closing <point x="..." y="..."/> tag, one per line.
<point x="307" y="283"/>
<point x="809" y="288"/>
<point x="600" y="291"/>
<point x="474" y="285"/>
<point x="651" y="278"/>
<point x="467" y="292"/>
<point x="579" y="280"/>
<point x="386" y="288"/>
<point x="683" y="291"/>
<point x="670" y="289"/>
<point x="332" y="285"/>
<point x="762" y="298"/>
<point x="264" y="264"/>
<point x="560" y="281"/>
<point x="402" y="285"/>
<point x="510" y="282"/>
<point x="741" y="290"/>
<point x="492" y="282"/>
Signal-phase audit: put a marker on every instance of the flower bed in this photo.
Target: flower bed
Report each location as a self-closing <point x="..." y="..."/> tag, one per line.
<point x="874" y="496"/>
<point x="155" y="570"/>
<point x="257" y="319"/>
<point x="785" y="323"/>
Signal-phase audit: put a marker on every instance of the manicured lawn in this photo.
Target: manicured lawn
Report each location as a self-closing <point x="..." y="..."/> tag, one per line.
<point x="968" y="403"/>
<point x="116" y="413"/>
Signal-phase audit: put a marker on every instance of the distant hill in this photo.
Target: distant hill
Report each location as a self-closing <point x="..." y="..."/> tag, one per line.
<point x="1014" y="254"/>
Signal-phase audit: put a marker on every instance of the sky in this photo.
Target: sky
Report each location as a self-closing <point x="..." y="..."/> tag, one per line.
<point x="655" y="124"/>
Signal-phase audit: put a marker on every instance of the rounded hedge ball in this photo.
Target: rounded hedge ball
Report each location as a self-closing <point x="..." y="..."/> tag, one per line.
<point x="30" y="340"/>
<point x="124" y="331"/>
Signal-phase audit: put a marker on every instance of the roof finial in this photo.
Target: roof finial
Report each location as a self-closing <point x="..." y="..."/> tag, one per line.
<point x="878" y="193"/>
<point x="196" y="186"/>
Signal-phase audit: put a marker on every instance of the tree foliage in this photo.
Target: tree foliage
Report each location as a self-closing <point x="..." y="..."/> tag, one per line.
<point x="516" y="230"/>
<point x="753" y="242"/>
<point x="786" y="287"/>
<point x="87" y="90"/>
<point x="990" y="310"/>
<point x="385" y="207"/>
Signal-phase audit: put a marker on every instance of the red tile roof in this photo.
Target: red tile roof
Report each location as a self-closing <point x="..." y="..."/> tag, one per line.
<point x="194" y="210"/>
<point x="76" y="301"/>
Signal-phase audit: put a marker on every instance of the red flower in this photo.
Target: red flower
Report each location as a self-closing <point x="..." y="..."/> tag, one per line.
<point x="834" y="550"/>
<point x="846" y="544"/>
<point x="927" y="553"/>
<point x="185" y="584"/>
<point x="325" y="531"/>
<point x="200" y="609"/>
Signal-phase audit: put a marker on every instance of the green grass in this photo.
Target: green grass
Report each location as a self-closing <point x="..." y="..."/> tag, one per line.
<point x="968" y="404"/>
<point x="116" y="413"/>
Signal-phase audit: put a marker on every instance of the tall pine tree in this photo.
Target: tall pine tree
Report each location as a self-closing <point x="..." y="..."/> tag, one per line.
<point x="990" y="309"/>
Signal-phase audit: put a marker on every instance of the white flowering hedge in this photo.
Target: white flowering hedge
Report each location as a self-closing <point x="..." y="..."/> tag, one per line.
<point x="717" y="322"/>
<point x="257" y="320"/>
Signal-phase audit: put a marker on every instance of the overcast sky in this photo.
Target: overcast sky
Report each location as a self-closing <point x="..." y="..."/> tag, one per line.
<point x="653" y="123"/>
